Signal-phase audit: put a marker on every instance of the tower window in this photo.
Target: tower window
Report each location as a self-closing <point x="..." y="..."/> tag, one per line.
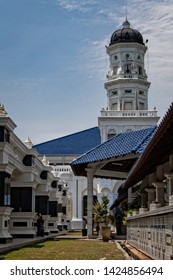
<point x="128" y="106"/>
<point x="141" y="92"/>
<point x="114" y="106"/>
<point x="115" y="68"/>
<point x="140" y="70"/>
<point x="114" y="92"/>
<point x="127" y="55"/>
<point x="115" y="57"/>
<point x="111" y="133"/>
<point x="127" y="68"/>
<point x="128" y="91"/>
<point x="141" y="106"/>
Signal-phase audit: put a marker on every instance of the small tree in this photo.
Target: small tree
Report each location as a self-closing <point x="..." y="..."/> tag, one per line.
<point x="101" y="212"/>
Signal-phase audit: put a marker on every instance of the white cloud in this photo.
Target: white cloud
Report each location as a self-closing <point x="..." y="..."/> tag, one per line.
<point x="73" y="5"/>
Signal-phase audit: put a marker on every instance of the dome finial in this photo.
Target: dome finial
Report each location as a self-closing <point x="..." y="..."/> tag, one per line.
<point x="126" y="10"/>
<point x="126" y="23"/>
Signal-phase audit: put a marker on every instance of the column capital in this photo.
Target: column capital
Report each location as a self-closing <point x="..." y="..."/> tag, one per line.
<point x="158" y="184"/>
<point x="90" y="171"/>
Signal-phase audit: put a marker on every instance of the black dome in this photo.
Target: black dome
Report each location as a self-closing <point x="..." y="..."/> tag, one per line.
<point x="126" y="35"/>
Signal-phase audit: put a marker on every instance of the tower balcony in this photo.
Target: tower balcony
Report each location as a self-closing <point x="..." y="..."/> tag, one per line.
<point x="128" y="113"/>
<point x="111" y="77"/>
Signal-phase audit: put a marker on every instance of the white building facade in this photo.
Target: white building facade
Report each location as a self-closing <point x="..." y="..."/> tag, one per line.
<point x="27" y="187"/>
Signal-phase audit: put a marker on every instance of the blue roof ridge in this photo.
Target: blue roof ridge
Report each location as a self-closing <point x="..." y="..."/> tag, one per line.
<point x="152" y="129"/>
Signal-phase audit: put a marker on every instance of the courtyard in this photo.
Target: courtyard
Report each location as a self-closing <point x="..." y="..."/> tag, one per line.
<point x="66" y="247"/>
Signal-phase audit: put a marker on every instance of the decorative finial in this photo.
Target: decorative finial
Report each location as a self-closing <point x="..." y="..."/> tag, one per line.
<point x="3" y="113"/>
<point x="45" y="161"/>
<point x="28" y="143"/>
<point x="126" y="10"/>
<point x="126" y="24"/>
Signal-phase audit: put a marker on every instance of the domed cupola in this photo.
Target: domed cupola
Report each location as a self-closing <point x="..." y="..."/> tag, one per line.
<point x="126" y="86"/>
<point x="126" y="35"/>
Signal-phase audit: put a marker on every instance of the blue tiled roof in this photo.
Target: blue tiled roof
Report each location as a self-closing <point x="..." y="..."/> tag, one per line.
<point x="76" y="143"/>
<point x="120" y="145"/>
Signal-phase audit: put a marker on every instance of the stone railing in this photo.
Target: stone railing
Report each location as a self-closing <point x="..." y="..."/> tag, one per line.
<point x="111" y="77"/>
<point x="128" y="113"/>
<point x="152" y="232"/>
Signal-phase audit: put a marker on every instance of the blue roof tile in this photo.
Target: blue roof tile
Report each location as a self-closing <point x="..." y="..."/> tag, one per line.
<point x="73" y="144"/>
<point x="120" y="145"/>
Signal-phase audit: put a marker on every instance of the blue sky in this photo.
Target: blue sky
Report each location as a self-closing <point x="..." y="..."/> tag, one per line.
<point x="53" y="62"/>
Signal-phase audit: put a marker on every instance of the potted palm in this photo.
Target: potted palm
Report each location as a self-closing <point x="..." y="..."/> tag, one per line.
<point x="103" y="217"/>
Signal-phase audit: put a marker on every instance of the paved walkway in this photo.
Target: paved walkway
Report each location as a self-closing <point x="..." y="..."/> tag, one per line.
<point x="21" y="242"/>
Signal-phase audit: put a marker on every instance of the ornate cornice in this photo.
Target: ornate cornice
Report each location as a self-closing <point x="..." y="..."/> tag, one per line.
<point x="126" y="81"/>
<point x="125" y="45"/>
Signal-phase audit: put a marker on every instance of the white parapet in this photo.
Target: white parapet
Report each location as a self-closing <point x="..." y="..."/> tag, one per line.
<point x="22" y="224"/>
<point x="154" y="206"/>
<point x="53" y="224"/>
<point x="76" y="224"/>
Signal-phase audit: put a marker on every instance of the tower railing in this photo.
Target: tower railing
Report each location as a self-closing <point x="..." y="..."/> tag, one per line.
<point x="128" y="113"/>
<point x="125" y="76"/>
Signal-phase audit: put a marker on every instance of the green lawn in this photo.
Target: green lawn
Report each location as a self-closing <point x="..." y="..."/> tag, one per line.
<point x="64" y="249"/>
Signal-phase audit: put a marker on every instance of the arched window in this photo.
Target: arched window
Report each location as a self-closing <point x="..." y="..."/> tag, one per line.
<point x="127" y="68"/>
<point x="128" y="105"/>
<point x="114" y="106"/>
<point x="115" y="68"/>
<point x="140" y="70"/>
<point x="111" y="133"/>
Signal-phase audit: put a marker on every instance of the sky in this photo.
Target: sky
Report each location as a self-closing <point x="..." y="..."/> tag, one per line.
<point x="53" y="62"/>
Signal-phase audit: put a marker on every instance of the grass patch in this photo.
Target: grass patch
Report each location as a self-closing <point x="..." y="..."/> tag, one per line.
<point x="64" y="249"/>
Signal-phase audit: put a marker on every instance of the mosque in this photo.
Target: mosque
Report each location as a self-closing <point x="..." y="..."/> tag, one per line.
<point x="61" y="178"/>
<point x="126" y="111"/>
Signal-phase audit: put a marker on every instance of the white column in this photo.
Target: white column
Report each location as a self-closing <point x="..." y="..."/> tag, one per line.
<point x="77" y="199"/>
<point x="159" y="192"/>
<point x="33" y="199"/>
<point x="170" y="187"/>
<point x="74" y="198"/>
<point x="151" y="195"/>
<point x="90" y="176"/>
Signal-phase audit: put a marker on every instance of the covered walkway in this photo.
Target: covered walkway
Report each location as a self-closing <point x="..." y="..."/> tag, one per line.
<point x="112" y="160"/>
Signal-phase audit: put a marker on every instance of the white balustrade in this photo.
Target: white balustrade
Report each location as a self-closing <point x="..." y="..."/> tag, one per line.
<point x="128" y="113"/>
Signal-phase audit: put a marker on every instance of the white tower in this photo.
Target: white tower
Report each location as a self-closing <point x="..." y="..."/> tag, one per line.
<point x="126" y="85"/>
